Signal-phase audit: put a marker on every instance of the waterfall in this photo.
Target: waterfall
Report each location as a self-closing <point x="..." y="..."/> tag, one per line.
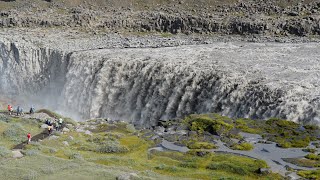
<point x="144" y="85"/>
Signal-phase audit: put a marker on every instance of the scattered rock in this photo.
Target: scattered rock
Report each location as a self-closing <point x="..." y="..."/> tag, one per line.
<point x="17" y="154"/>
<point x="70" y="138"/>
<point x="69" y="126"/>
<point x="80" y="130"/>
<point x="192" y="133"/>
<point x="181" y="132"/>
<point x="44" y="126"/>
<point x="264" y="171"/>
<point x="155" y="137"/>
<point x="202" y="153"/>
<point x="65" y="143"/>
<point x="128" y="176"/>
<point x="52" y="137"/>
<point x="88" y="132"/>
<point x="65" y="129"/>
<point x="159" y="130"/>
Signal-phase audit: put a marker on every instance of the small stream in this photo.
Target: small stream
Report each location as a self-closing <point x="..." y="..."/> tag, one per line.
<point x="270" y="153"/>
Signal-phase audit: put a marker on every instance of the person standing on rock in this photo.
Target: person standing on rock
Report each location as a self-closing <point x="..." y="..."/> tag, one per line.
<point x="18" y="110"/>
<point x="21" y="111"/>
<point x="32" y="110"/>
<point x="50" y="128"/>
<point x="60" y="121"/>
<point x="9" y="109"/>
<point x="29" y="138"/>
<point x="57" y="125"/>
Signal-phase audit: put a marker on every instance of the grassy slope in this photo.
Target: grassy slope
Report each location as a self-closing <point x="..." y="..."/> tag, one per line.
<point x="50" y="159"/>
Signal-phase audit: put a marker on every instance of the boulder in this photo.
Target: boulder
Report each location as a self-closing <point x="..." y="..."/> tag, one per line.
<point x="53" y="137"/>
<point x="202" y="153"/>
<point x="182" y="127"/>
<point x="17" y="154"/>
<point x="65" y="129"/>
<point x="70" y="138"/>
<point x="44" y="126"/>
<point x="192" y="133"/>
<point x="88" y="132"/>
<point x="69" y="126"/>
<point x="264" y="171"/>
<point x="80" y="130"/>
<point x="159" y="130"/>
<point x="128" y="176"/>
<point x="65" y="143"/>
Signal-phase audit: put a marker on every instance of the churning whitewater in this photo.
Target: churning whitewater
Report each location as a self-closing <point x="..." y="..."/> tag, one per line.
<point x="144" y="85"/>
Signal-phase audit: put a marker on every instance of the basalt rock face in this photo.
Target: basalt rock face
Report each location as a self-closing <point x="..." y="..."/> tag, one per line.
<point x="144" y="85"/>
<point x="28" y="68"/>
<point x="266" y="18"/>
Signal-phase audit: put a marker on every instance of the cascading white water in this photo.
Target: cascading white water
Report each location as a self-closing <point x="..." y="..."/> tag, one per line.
<point x="149" y="84"/>
<point x="30" y="73"/>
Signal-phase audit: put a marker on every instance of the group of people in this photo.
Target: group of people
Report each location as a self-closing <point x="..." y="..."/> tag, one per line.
<point x="55" y="123"/>
<point x="19" y="110"/>
<point x="52" y="123"/>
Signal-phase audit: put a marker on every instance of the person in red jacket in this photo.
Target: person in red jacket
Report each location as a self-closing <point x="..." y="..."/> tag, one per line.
<point x="9" y="109"/>
<point x="29" y="138"/>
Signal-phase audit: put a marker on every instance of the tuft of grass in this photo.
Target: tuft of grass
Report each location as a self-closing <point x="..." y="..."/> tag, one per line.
<point x="211" y="123"/>
<point x="312" y="156"/>
<point x="189" y="164"/>
<point x="31" y="152"/>
<point x="314" y="174"/>
<point x="166" y="35"/>
<point x="229" y="167"/>
<point x="4" y="152"/>
<point x="243" y="146"/>
<point x="112" y="147"/>
<point x="16" y="133"/>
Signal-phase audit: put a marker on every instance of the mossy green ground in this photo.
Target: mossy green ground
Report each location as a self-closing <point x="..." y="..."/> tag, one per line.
<point x="123" y="151"/>
<point x="286" y="133"/>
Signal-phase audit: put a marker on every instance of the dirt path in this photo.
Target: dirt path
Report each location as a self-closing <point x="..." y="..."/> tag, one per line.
<point x="44" y="134"/>
<point x="35" y="138"/>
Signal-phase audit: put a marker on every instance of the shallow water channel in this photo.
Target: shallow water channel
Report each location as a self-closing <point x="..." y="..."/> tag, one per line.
<point x="270" y="153"/>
